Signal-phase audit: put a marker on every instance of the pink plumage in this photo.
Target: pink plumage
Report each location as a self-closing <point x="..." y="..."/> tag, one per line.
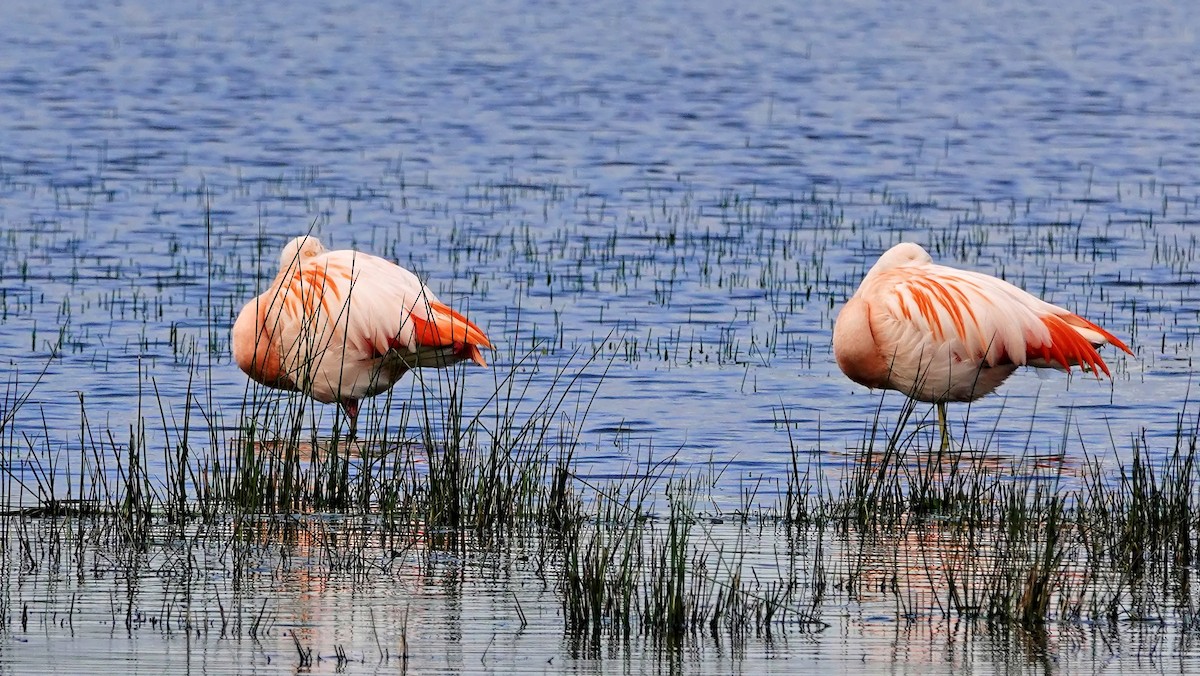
<point x="940" y="334"/>
<point x="340" y="326"/>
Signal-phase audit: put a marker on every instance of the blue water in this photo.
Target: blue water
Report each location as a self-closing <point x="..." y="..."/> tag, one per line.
<point x="691" y="188"/>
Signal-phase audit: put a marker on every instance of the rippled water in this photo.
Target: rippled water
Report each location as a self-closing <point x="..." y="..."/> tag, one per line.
<point x="694" y="188"/>
<point x="408" y="603"/>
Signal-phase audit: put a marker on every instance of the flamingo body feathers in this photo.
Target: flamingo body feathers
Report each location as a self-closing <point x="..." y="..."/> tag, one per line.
<point x="939" y="334"/>
<point x="340" y="326"/>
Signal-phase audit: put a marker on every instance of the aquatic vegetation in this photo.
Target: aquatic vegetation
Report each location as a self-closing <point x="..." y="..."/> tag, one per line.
<point x="688" y="320"/>
<point x="937" y="534"/>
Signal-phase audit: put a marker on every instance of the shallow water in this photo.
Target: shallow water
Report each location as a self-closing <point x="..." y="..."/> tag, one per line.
<point x="692" y="189"/>
<point x="408" y="606"/>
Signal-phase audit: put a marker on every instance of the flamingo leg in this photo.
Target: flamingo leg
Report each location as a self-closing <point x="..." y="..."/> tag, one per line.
<point x="350" y="408"/>
<point x="943" y="426"/>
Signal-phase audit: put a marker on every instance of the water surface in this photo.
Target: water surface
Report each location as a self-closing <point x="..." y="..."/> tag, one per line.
<point x="693" y="189"/>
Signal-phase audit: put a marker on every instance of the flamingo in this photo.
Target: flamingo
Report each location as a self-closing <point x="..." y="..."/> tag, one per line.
<point x="938" y="334"/>
<point x="340" y="326"/>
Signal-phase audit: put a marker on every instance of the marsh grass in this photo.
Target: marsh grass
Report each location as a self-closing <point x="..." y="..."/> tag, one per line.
<point x="1027" y="544"/>
<point x="431" y="461"/>
<point x="952" y="536"/>
<point x="629" y="572"/>
<point x="438" y="470"/>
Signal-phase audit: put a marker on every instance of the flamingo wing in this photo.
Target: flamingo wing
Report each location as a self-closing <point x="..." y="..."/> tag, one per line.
<point x="441" y="326"/>
<point x="982" y="319"/>
<point x="387" y="308"/>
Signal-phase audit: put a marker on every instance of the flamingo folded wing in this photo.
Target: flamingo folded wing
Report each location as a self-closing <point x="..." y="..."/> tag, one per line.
<point x="446" y="327"/>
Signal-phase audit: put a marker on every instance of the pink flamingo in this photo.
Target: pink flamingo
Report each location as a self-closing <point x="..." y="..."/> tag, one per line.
<point x="939" y="334"/>
<point x="340" y="326"/>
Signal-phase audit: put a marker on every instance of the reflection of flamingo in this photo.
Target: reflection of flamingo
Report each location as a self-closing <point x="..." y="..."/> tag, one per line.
<point x="939" y="334"/>
<point x="343" y="325"/>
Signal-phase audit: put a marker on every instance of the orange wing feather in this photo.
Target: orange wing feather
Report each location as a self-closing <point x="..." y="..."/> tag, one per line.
<point x="1068" y="347"/>
<point x="448" y="327"/>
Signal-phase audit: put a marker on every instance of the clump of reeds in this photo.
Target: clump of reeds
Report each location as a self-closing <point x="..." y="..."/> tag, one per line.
<point x="950" y="535"/>
<point x="629" y="572"/>
<point x="1138" y="527"/>
<point x="959" y="536"/>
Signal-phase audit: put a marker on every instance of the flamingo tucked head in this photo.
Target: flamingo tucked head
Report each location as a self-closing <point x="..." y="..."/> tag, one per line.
<point x="299" y="250"/>
<point x="904" y="254"/>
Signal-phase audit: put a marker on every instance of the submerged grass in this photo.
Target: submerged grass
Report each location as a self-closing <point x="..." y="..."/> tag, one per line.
<point x="962" y="537"/>
<point x="443" y="471"/>
<point x="952" y="536"/>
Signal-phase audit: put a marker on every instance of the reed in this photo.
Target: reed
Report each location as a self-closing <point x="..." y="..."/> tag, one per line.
<point x="953" y="536"/>
<point x="452" y="464"/>
<point x="963" y="538"/>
